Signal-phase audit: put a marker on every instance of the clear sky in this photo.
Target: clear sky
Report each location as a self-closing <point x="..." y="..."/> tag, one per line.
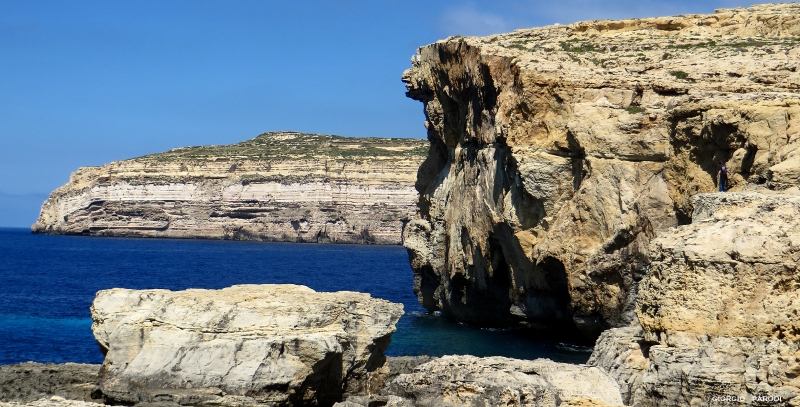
<point x="90" y="82"/>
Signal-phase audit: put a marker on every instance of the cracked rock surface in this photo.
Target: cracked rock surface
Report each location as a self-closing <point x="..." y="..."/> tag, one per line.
<point x="245" y="344"/>
<point x="718" y="309"/>
<point x="496" y="381"/>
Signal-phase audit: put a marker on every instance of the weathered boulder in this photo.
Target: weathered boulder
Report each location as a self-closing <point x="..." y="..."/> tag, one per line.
<point x="718" y="309"/>
<point x="558" y="153"/>
<point x="499" y="381"/>
<point x="251" y="344"/>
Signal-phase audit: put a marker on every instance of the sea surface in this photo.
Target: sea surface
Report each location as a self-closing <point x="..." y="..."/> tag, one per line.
<point x="47" y="284"/>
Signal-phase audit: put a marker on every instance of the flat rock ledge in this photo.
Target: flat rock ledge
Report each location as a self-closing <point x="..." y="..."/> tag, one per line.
<point x="495" y="381"/>
<point x="242" y="345"/>
<point x="29" y="382"/>
<point x="55" y="401"/>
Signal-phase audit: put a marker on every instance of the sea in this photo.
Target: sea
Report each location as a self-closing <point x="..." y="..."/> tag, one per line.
<point x="47" y="284"/>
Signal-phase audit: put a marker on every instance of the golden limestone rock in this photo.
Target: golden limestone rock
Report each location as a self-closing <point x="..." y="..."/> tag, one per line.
<point x="558" y="153"/>
<point x="718" y="308"/>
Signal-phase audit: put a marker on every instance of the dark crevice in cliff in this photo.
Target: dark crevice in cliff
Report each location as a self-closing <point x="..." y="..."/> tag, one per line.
<point x="680" y="215"/>
<point x="500" y="273"/>
<point x="637" y="96"/>
<point x="325" y="383"/>
<point x="700" y="143"/>
<point x="502" y="164"/>
<point x="577" y="156"/>
<point x="549" y="307"/>
<point x="626" y="235"/>
<point x="555" y="274"/>
<point x="458" y="288"/>
<point x="486" y="98"/>
<point x="479" y="294"/>
<point x="590" y="326"/>
<point x="431" y="173"/>
<point x="428" y="282"/>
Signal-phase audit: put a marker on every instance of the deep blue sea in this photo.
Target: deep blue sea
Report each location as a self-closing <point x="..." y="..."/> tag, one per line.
<point x="47" y="284"/>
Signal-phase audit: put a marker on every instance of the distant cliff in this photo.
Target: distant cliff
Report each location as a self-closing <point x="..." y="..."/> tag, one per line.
<point x="282" y="186"/>
<point x="558" y="153"/>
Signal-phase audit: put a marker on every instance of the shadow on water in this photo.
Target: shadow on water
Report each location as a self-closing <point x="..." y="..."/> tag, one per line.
<point x="47" y="284"/>
<point x="431" y="334"/>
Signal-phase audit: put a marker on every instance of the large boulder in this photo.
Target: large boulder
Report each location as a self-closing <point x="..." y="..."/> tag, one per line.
<point x="252" y="344"/>
<point x="719" y="309"/>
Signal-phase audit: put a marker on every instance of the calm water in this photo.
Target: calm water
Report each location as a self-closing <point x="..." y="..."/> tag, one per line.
<point x="47" y="284"/>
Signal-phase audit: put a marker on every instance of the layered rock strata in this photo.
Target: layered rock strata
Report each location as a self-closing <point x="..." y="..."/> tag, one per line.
<point x="558" y="153"/>
<point x="243" y="345"/>
<point x="281" y="186"/>
<point x="718" y="309"/>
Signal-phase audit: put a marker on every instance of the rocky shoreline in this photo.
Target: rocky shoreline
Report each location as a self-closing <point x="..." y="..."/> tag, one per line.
<point x="491" y="381"/>
<point x="281" y="345"/>
<point x="31" y="382"/>
<point x="570" y="181"/>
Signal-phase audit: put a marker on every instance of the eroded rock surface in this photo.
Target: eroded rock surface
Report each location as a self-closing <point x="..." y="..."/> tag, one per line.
<point x="282" y="186"/>
<point x="55" y="401"/>
<point x="621" y="352"/>
<point x="246" y="344"/>
<point x="718" y="309"/>
<point x="499" y="381"/>
<point x="558" y="153"/>
<point x="29" y="382"/>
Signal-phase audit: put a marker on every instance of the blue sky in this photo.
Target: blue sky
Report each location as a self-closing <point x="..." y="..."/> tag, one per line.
<point x="90" y="82"/>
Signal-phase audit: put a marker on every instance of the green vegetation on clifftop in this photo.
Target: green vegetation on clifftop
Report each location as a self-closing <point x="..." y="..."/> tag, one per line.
<point x="293" y="145"/>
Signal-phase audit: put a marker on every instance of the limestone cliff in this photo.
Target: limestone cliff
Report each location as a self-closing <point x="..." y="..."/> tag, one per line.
<point x="719" y="309"/>
<point x="558" y="153"/>
<point x="283" y="186"/>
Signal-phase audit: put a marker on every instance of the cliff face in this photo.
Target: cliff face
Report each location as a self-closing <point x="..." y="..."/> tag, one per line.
<point x="558" y="153"/>
<point x="718" y="309"/>
<point x="277" y="187"/>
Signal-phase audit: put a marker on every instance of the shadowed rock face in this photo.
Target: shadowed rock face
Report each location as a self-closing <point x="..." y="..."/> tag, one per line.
<point x="558" y="153"/>
<point x="250" y="344"/>
<point x="282" y="186"/>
